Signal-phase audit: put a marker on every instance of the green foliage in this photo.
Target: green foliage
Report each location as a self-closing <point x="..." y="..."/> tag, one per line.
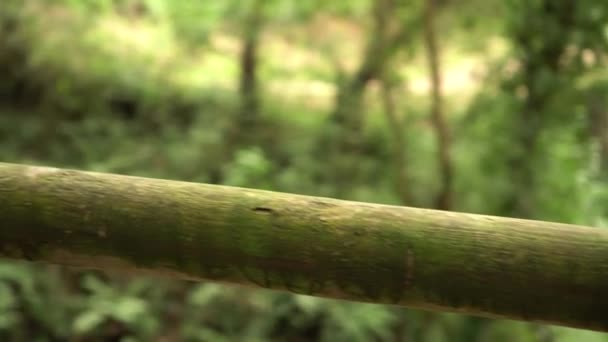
<point x="193" y="21"/>
<point x="249" y="168"/>
<point x="150" y="87"/>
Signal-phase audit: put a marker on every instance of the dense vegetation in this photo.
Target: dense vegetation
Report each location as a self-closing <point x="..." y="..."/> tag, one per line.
<point x="492" y="107"/>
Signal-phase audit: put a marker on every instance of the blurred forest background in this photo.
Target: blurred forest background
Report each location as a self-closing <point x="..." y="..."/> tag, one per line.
<point x="484" y="106"/>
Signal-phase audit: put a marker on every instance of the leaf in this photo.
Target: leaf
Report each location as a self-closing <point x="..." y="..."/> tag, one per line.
<point x="87" y="322"/>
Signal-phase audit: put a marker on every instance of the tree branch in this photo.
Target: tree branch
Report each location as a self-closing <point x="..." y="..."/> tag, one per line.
<point x="428" y="259"/>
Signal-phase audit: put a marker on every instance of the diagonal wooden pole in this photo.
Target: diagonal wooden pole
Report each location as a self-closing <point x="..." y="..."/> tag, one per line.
<point x="480" y="265"/>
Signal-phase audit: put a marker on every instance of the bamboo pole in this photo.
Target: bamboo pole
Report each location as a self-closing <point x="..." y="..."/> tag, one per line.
<point x="428" y="259"/>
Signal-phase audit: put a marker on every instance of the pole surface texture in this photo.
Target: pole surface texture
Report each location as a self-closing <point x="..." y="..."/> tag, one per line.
<point x="480" y="265"/>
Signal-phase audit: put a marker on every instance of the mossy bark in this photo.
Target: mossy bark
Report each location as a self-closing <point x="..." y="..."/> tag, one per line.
<point x="429" y="259"/>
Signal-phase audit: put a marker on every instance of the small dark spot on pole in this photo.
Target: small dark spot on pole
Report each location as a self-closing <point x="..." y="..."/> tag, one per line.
<point x="315" y="287"/>
<point x="263" y="210"/>
<point x="28" y="254"/>
<point x="250" y="278"/>
<point x="371" y="291"/>
<point x="266" y="279"/>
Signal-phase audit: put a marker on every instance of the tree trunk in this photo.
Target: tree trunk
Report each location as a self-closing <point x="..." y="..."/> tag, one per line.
<point x="347" y="111"/>
<point x="399" y="149"/>
<point x="598" y="129"/>
<point x="243" y="129"/>
<point x="248" y="86"/>
<point x="247" y="119"/>
<point x="428" y="259"/>
<point x="443" y="200"/>
<point x="342" y="143"/>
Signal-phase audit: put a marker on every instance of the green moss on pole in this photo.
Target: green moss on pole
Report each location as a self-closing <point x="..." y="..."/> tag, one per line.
<point x="481" y="265"/>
